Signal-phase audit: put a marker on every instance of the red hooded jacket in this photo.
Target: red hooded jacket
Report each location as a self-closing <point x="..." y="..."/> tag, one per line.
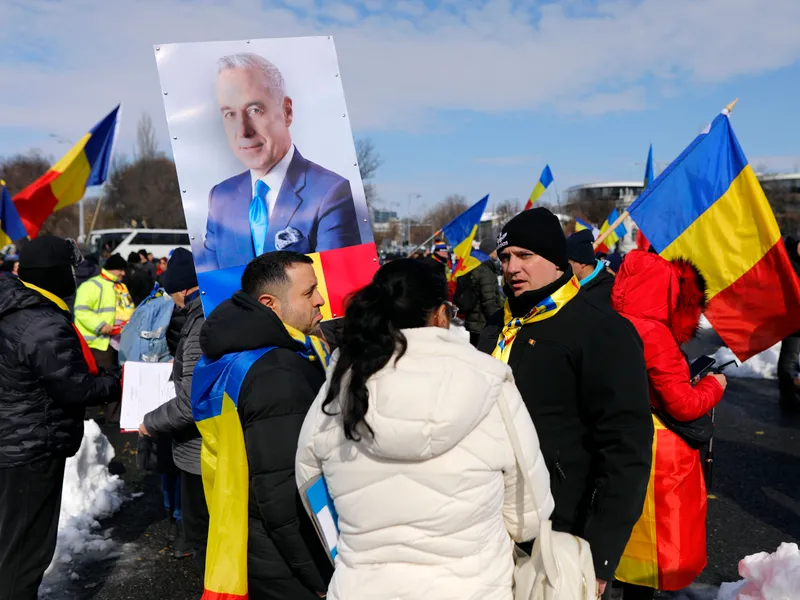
<point x="664" y="301"/>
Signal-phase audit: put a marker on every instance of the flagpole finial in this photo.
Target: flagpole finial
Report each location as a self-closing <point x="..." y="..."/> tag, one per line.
<point x="730" y="106"/>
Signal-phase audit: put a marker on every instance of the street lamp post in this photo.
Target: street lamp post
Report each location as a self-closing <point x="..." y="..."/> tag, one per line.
<point x="415" y="196"/>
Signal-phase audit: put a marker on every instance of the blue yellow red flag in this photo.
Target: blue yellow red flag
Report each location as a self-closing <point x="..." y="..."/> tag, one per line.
<point x="649" y="178"/>
<point x="460" y="233"/>
<point x="708" y="206"/>
<point x="615" y="236"/>
<point x="11" y="227"/>
<point x="545" y="179"/>
<point x="86" y="164"/>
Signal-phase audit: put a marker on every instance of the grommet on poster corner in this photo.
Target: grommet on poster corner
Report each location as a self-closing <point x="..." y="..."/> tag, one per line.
<point x="165" y="93"/>
<point x="336" y="75"/>
<point x="247" y="41"/>
<point x="183" y="191"/>
<point x="158" y="48"/>
<point x="343" y="115"/>
<point x="174" y="137"/>
<point x="203" y="293"/>
<point x="192" y="238"/>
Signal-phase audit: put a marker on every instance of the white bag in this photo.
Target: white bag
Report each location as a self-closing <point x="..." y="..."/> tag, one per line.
<point x="560" y="567"/>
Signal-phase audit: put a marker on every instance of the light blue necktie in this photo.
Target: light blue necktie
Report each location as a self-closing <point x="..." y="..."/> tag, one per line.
<point x="259" y="217"/>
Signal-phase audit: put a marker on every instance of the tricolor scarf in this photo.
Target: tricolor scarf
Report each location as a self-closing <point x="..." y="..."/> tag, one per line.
<point x="91" y="364"/>
<point x="543" y="310"/>
<point x="216" y="385"/>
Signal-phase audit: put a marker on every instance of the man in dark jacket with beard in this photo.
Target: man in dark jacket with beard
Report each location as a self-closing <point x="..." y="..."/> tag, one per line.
<point x="594" y="276"/>
<point x="174" y="419"/>
<point x="593" y="418"/>
<point x="478" y="293"/>
<point x="788" y="379"/>
<point x="279" y="308"/>
<point x="45" y="385"/>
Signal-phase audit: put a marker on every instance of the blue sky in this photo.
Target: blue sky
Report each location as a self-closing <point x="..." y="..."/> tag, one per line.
<point x="468" y="97"/>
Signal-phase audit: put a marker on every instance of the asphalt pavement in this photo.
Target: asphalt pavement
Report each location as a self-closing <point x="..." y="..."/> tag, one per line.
<point x="754" y="506"/>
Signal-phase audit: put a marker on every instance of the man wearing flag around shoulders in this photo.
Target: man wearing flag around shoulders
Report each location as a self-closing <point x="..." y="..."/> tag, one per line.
<point x="261" y="369"/>
<point x="593" y="417"/>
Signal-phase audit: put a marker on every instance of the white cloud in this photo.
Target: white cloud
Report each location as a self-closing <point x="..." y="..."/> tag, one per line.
<point x="340" y="12"/>
<point x="486" y="57"/>
<point x="507" y="161"/>
<point x="415" y="8"/>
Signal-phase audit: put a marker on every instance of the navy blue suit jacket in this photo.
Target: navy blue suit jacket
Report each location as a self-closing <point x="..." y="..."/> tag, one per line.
<point x="314" y="212"/>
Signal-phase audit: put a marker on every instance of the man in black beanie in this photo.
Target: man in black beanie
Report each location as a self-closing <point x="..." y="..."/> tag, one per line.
<point x="595" y="278"/>
<point x="593" y="418"/>
<point x="47" y="378"/>
<point x="175" y="417"/>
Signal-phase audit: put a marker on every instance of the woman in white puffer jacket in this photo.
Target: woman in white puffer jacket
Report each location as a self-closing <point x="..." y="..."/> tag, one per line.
<point x="415" y="454"/>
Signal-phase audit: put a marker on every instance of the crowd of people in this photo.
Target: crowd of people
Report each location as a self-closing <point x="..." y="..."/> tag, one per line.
<point x="399" y="412"/>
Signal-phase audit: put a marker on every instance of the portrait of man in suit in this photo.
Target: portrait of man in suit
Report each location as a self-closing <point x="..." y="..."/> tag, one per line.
<point x="282" y="201"/>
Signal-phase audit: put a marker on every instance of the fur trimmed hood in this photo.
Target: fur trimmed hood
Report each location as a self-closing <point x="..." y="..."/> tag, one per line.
<point x="650" y="287"/>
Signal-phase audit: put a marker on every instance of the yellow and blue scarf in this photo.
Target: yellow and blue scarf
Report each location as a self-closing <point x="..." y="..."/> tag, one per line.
<point x="216" y="385"/>
<point x="547" y="308"/>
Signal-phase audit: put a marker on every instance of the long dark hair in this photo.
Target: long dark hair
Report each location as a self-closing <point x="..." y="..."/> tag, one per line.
<point x="403" y="295"/>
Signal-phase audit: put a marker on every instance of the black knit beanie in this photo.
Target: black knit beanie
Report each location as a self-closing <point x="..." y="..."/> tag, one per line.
<point x="580" y="247"/>
<point x="47" y="262"/>
<point x="115" y="263"/>
<point x="539" y="231"/>
<point x="180" y="274"/>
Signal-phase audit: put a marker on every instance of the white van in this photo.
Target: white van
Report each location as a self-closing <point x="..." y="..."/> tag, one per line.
<point x="160" y="242"/>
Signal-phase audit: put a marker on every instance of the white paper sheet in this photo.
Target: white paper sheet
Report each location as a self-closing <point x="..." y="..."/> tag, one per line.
<point x="145" y="387"/>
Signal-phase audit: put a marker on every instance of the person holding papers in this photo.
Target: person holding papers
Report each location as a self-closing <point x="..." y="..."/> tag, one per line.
<point x="409" y="436"/>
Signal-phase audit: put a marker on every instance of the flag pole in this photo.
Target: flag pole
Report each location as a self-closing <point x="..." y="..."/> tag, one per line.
<point x="96" y="211"/>
<point x="602" y="237"/>
<point x="426" y="242"/>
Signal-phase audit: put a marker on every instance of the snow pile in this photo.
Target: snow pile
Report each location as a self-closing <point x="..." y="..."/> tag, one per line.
<point x="773" y="576"/>
<point x="761" y="366"/>
<point x="707" y="342"/>
<point x="89" y="493"/>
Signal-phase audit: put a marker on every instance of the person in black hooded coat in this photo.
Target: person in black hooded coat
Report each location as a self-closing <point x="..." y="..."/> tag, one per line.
<point x="788" y="372"/>
<point x="285" y="557"/>
<point x="45" y="386"/>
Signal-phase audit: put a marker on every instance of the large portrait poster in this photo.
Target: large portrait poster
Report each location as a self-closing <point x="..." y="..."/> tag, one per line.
<point x="266" y="161"/>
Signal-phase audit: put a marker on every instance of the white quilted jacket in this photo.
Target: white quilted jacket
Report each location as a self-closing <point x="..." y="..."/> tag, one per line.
<point x="428" y="508"/>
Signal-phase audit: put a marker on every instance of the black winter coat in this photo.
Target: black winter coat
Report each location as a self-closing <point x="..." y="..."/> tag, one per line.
<point x="598" y="290"/>
<point x="592" y="417"/>
<point x="274" y="399"/>
<point x="484" y="290"/>
<point x="45" y="384"/>
<point x="175" y="417"/>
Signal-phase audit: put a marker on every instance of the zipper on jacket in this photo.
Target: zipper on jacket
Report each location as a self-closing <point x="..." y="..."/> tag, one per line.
<point x="559" y="470"/>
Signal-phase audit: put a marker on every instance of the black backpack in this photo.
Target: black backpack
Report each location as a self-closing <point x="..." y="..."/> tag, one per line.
<point x="465" y="297"/>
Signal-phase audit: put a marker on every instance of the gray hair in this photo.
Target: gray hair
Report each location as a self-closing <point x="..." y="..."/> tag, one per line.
<point x="248" y="60"/>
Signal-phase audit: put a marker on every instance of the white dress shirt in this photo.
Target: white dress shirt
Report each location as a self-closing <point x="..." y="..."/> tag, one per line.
<point x="274" y="179"/>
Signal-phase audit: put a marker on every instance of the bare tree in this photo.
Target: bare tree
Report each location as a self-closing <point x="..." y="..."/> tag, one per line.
<point x="142" y="193"/>
<point x="445" y="211"/>
<point x="146" y="143"/>
<point x="368" y="162"/>
<point x="507" y="210"/>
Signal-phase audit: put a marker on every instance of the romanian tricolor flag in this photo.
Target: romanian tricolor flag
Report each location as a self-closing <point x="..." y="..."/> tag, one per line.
<point x="11" y="227"/>
<point x="581" y="225"/>
<point x="339" y="272"/>
<point x="461" y="232"/>
<point x="86" y="164"/>
<point x="223" y="463"/>
<point x="708" y="206"/>
<point x="216" y="386"/>
<point x="615" y="236"/>
<point x="545" y="180"/>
